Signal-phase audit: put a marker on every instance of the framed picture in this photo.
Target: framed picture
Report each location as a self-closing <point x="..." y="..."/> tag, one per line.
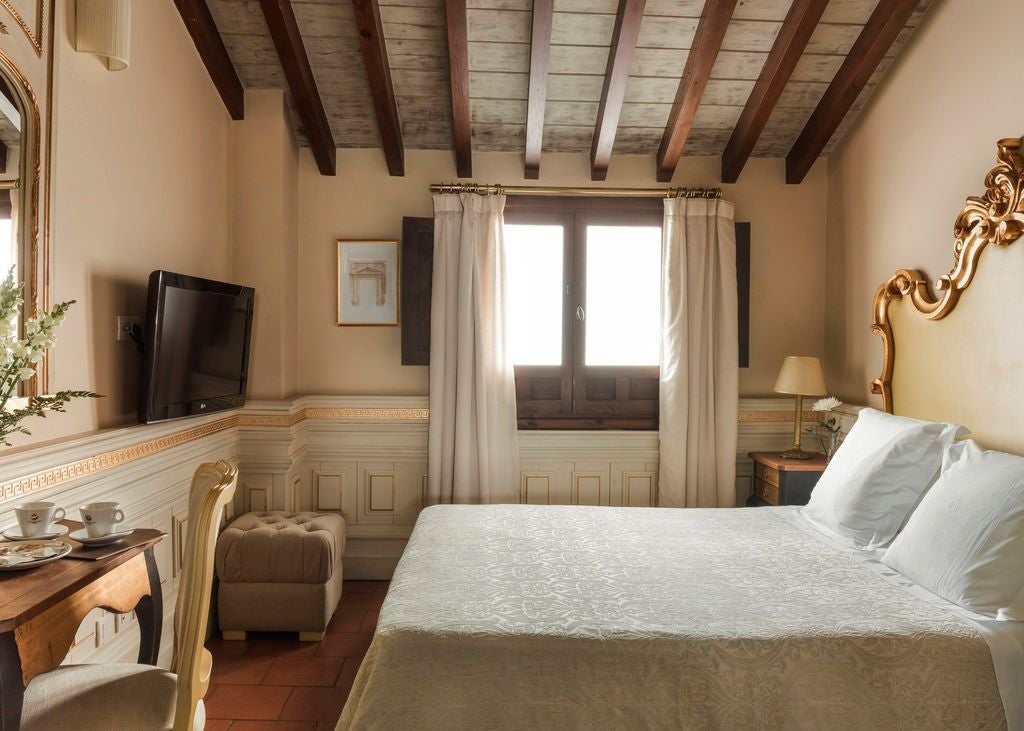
<point x="367" y="282"/>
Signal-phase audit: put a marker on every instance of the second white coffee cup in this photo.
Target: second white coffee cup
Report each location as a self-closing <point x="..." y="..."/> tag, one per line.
<point x="101" y="518"/>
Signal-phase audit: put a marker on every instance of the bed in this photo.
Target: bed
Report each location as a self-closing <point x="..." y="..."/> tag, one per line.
<point x="544" y="617"/>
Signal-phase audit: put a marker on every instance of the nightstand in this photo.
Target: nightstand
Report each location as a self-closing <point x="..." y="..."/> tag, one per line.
<point x="781" y="481"/>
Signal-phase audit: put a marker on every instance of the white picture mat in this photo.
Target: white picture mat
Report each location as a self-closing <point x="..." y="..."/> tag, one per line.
<point x="367" y="282"/>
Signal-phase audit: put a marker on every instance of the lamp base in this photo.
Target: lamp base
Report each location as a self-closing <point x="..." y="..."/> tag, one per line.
<point x="797" y="453"/>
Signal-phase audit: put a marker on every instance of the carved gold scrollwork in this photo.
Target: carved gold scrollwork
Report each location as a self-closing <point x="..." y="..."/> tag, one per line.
<point x="994" y="218"/>
<point x="35" y="35"/>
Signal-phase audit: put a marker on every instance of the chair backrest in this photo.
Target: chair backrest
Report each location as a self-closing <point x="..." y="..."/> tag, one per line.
<point x="213" y="486"/>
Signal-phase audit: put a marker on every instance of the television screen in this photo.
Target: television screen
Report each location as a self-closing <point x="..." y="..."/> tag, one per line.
<point x="196" y="346"/>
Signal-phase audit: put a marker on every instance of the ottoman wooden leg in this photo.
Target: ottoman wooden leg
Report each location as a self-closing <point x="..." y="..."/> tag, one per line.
<point x="311" y="636"/>
<point x="233" y="634"/>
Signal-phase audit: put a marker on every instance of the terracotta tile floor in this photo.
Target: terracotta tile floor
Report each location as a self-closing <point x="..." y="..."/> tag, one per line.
<point x="271" y="681"/>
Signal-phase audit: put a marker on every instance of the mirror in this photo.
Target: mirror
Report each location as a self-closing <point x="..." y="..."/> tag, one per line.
<point x="19" y="166"/>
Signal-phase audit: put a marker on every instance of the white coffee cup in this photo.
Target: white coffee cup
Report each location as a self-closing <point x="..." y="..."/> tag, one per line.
<point x="36" y="518"/>
<point x="100" y="518"/>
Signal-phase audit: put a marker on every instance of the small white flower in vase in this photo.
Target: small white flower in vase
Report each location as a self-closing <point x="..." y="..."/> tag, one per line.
<point x="827" y="430"/>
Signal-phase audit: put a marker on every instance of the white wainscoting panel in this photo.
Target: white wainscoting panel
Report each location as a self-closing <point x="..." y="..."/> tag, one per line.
<point x="639" y="489"/>
<point x="329" y="492"/>
<point x="148" y="470"/>
<point x="363" y="457"/>
<point x="535" y="487"/>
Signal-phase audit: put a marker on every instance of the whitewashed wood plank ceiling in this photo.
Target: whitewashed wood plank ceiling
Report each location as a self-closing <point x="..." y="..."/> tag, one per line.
<point x="499" y="53"/>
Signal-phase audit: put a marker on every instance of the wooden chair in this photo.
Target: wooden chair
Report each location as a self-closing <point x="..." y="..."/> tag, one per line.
<point x="112" y="696"/>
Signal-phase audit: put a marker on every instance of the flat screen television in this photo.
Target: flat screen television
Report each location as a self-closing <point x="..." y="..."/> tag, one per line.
<point x="195" y="346"/>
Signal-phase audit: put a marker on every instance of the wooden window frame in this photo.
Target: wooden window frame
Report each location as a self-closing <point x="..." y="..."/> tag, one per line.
<point x="563" y="404"/>
<point x="588" y="397"/>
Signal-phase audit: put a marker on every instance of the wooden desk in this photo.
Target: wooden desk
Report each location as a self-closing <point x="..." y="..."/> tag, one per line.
<point x="41" y="609"/>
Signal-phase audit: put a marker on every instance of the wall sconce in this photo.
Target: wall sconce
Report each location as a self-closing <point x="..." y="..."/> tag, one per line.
<point x="104" y="27"/>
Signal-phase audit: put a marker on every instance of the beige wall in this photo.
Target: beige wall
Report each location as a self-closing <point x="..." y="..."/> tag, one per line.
<point x="140" y="183"/>
<point x="899" y="179"/>
<point x="362" y="201"/>
<point x="264" y="157"/>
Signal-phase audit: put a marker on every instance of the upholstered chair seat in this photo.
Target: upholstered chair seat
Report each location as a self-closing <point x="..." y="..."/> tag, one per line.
<point x="101" y="697"/>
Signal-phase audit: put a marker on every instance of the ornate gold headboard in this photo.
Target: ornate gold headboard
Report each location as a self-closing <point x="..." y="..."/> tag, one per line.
<point x="961" y="352"/>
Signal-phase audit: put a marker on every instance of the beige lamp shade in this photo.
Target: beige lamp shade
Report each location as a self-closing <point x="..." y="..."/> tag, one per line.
<point x="104" y="27"/>
<point x="800" y="375"/>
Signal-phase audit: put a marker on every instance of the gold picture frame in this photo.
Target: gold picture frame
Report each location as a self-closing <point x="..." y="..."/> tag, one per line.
<point x="369" y="279"/>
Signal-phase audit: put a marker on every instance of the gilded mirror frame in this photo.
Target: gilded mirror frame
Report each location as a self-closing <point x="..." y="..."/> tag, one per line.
<point x="26" y="61"/>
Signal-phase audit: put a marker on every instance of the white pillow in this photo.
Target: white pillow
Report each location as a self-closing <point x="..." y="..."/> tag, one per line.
<point x="965" y="541"/>
<point x="877" y="476"/>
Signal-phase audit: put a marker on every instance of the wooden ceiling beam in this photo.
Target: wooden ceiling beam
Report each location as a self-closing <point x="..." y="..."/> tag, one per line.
<point x="714" y="21"/>
<point x="209" y="44"/>
<point x="540" y="57"/>
<point x="874" y="41"/>
<point x="378" y="72"/>
<point x="789" y="45"/>
<point x="288" y="41"/>
<point x="620" y="57"/>
<point x="458" y="65"/>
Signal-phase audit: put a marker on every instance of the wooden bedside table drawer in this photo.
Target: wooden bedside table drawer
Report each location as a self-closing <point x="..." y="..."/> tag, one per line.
<point x="778" y="480"/>
<point x="767" y="474"/>
<point x="767" y="492"/>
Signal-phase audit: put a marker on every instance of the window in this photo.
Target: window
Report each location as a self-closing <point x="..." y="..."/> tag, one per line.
<point x="584" y="288"/>
<point x="584" y="280"/>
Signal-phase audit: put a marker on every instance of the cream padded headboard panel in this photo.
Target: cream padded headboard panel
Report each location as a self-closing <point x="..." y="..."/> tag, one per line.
<point x="968" y="367"/>
<point x="956" y="353"/>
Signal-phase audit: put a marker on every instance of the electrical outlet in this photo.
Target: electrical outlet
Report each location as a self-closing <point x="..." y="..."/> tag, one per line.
<point x="124" y="326"/>
<point x="121" y="621"/>
<point x="104" y="629"/>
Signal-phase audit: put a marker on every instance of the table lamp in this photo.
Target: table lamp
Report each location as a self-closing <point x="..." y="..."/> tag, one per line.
<point x="800" y="376"/>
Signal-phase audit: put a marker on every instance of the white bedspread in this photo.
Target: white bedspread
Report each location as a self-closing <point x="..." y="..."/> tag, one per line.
<point x="530" y="617"/>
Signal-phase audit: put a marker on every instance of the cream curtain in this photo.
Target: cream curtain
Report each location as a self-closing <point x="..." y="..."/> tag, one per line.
<point x="473" y="443"/>
<point x="699" y="392"/>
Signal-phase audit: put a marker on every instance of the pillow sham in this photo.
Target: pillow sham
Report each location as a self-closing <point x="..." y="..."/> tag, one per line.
<point x="965" y="541"/>
<point x="877" y="476"/>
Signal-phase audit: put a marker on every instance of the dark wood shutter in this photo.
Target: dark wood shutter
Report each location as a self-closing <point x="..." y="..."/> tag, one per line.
<point x="417" y="271"/>
<point x="743" y="289"/>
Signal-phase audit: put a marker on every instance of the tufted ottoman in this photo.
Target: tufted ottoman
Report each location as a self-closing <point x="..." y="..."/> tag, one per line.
<point x="279" y="572"/>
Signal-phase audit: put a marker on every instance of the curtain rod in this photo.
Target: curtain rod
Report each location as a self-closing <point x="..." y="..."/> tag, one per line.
<point x="483" y="189"/>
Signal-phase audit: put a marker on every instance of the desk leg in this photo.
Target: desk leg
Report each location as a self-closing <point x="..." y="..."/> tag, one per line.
<point x="12" y="688"/>
<point x="150" y="613"/>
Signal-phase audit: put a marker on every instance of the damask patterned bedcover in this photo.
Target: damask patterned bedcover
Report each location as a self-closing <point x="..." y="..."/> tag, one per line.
<point x="544" y="617"/>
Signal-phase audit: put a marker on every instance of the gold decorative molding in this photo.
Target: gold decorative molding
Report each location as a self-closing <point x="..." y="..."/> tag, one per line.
<point x="995" y="218"/>
<point x="109" y="460"/>
<point x="758" y="417"/>
<point x="35" y="36"/>
<point x="270" y="421"/>
<point x="373" y="414"/>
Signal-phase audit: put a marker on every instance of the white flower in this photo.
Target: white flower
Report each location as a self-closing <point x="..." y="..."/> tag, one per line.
<point x="26" y="373"/>
<point x="826" y="404"/>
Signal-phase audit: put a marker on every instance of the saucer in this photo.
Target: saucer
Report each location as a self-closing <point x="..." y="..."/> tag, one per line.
<point x="29" y="554"/>
<point x="14" y="534"/>
<point x="82" y="536"/>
